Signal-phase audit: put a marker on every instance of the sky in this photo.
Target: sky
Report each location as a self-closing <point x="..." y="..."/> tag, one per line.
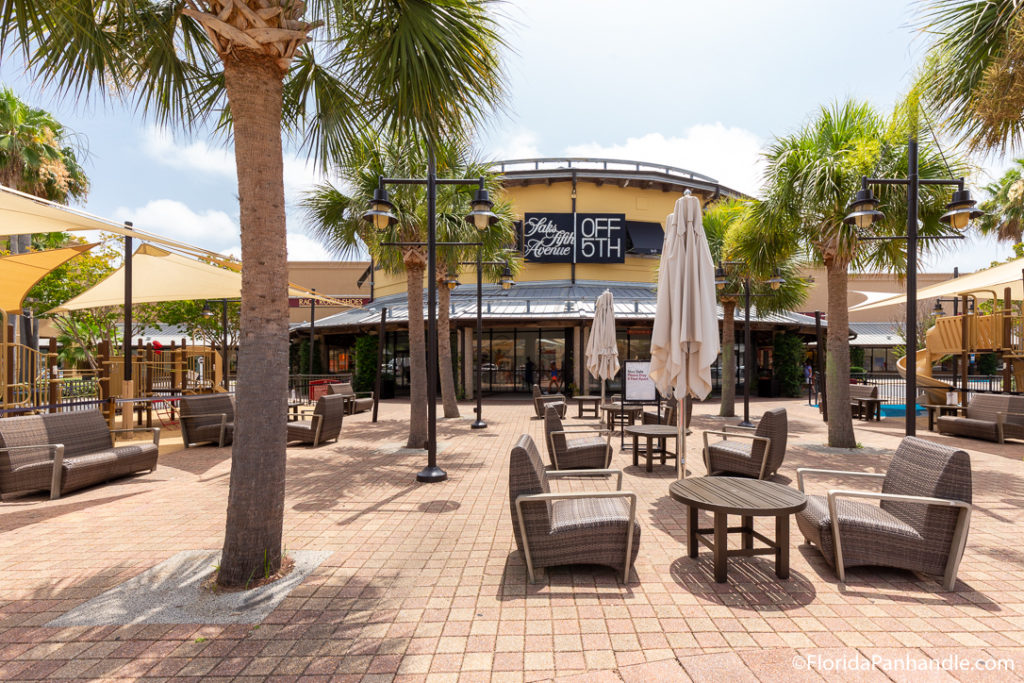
<point x="698" y="85"/>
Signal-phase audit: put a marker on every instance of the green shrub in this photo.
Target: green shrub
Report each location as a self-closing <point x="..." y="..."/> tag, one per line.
<point x="857" y="358"/>
<point x="854" y="370"/>
<point x="987" y="364"/>
<point x="366" y="363"/>
<point x="787" y="356"/>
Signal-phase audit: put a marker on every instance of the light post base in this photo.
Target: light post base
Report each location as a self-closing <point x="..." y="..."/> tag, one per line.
<point x="745" y="423"/>
<point x="430" y="475"/>
<point x="478" y="424"/>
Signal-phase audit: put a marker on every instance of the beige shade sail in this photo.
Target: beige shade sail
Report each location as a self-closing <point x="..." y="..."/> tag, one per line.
<point x="20" y="272"/>
<point x="988" y="280"/>
<point x="158" y="275"/>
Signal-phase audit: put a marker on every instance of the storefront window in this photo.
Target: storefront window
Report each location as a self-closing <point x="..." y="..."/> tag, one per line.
<point x="339" y="360"/>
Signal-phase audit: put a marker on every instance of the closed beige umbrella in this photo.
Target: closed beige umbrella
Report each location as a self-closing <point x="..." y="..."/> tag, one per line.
<point x="602" y="350"/>
<point x="684" y="343"/>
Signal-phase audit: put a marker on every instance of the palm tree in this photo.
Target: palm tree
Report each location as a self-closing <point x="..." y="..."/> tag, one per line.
<point x="1004" y="208"/>
<point x="809" y="180"/>
<point x="733" y="236"/>
<point x="37" y="154"/>
<point x="423" y="66"/>
<point x="974" y="69"/>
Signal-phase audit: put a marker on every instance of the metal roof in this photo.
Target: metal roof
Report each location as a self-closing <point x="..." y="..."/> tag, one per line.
<point x="876" y="334"/>
<point x="529" y="301"/>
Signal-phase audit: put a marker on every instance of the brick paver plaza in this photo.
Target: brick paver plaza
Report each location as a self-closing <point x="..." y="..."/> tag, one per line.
<point x="424" y="581"/>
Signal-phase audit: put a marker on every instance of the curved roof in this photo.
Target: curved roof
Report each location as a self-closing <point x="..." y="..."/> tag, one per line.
<point x="621" y="172"/>
<point x="558" y="300"/>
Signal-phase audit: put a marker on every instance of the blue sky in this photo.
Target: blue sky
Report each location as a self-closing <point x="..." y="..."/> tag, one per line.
<point x="699" y="85"/>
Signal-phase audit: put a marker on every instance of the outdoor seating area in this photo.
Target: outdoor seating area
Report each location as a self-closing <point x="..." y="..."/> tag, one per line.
<point x="987" y="416"/>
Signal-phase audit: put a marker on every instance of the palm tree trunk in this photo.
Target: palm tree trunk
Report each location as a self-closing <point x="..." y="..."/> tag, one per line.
<point x="255" y="516"/>
<point x="444" y="352"/>
<point x="837" y="367"/>
<point x="728" y="408"/>
<point x="417" y="357"/>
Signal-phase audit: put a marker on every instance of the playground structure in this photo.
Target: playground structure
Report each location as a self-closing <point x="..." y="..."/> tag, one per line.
<point x="31" y="382"/>
<point x="1000" y="331"/>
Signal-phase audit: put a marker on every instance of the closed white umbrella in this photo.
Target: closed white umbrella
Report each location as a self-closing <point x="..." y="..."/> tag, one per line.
<point x="602" y="351"/>
<point x="684" y="343"/>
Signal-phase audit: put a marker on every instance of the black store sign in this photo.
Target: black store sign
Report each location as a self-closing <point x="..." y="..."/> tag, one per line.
<point x="599" y="237"/>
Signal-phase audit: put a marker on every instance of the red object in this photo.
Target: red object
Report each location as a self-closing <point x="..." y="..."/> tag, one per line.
<point x="157" y="347"/>
<point x="318" y="388"/>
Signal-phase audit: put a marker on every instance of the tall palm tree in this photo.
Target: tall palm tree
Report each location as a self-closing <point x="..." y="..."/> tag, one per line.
<point x="734" y="236"/>
<point x="38" y="155"/>
<point x="809" y="179"/>
<point x="423" y="66"/>
<point x="1004" y="208"/>
<point x="974" y="69"/>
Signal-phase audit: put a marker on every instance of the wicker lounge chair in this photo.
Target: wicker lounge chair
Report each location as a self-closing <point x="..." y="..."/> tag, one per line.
<point x="354" y="402"/>
<point x="64" y="452"/>
<point x="540" y="401"/>
<point x="576" y="452"/>
<point x="921" y="523"/>
<point x="758" y="453"/>
<point x="554" y="529"/>
<point x="994" y="417"/>
<point x="323" y="426"/>
<point x="207" y="417"/>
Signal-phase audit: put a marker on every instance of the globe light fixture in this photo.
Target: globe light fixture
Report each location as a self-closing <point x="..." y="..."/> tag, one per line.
<point x="776" y="280"/>
<point x="207" y="311"/>
<point x="938" y="311"/>
<point x="380" y="212"/>
<point x="506" y="278"/>
<point x="451" y="281"/>
<point x="720" y="279"/>
<point x="481" y="216"/>
<point x="961" y="210"/>
<point x="862" y="211"/>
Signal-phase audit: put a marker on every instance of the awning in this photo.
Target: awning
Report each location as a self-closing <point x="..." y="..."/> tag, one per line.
<point x="158" y="275"/>
<point x="647" y="238"/>
<point x="20" y="272"/>
<point x="981" y="283"/>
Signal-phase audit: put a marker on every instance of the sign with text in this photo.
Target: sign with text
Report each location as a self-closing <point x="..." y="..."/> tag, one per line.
<point x="639" y="387"/>
<point x="590" y="238"/>
<point x="306" y="301"/>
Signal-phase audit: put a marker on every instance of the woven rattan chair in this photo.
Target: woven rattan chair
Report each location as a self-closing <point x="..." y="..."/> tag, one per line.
<point x="64" y="452"/>
<point x="668" y="416"/>
<point x="540" y="401"/>
<point x="861" y="391"/>
<point x="552" y="529"/>
<point x="750" y="454"/>
<point x="355" y="402"/>
<point x="323" y="426"/>
<point x="207" y="417"/>
<point x="993" y="417"/>
<point x="920" y="524"/>
<point x="576" y="452"/>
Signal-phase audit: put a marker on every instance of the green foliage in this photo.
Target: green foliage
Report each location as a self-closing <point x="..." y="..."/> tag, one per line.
<point x="302" y="358"/>
<point x="988" y="363"/>
<point x="366" y="363"/>
<point x="189" y="315"/>
<point x="787" y="358"/>
<point x="1004" y="208"/>
<point x="857" y="357"/>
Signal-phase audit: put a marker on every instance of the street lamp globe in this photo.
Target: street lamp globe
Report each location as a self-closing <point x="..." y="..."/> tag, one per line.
<point x="938" y="311"/>
<point x="506" y="278"/>
<point x="720" y="279"/>
<point x="481" y="216"/>
<point x="961" y="210"/>
<point x="380" y="212"/>
<point x="207" y="311"/>
<point x="862" y="212"/>
<point x="451" y="281"/>
<point x="776" y="280"/>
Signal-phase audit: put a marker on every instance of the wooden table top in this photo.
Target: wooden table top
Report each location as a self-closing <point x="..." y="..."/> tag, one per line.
<point x="622" y="406"/>
<point x="652" y="430"/>
<point x="950" y="406"/>
<point x="585" y="399"/>
<point x="738" y="496"/>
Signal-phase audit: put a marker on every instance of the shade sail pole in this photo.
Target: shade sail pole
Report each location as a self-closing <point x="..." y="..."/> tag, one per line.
<point x="127" y="386"/>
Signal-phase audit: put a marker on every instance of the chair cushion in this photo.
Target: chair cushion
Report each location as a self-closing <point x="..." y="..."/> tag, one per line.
<point x="574" y="514"/>
<point x="582" y="453"/>
<point x="966" y="426"/>
<point x="733" y="456"/>
<point x="211" y="433"/>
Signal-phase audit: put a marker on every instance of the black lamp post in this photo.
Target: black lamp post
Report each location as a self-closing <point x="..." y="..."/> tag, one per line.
<point x="862" y="212"/>
<point x="506" y="283"/>
<point x="381" y="216"/>
<point x="721" y="280"/>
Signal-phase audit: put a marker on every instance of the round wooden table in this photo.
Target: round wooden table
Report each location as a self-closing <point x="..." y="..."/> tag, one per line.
<point x="661" y="433"/>
<point x="615" y="410"/>
<point x="592" y="403"/>
<point x="748" y="498"/>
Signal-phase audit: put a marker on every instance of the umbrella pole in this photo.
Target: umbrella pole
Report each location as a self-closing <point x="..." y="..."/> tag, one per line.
<point x="681" y="419"/>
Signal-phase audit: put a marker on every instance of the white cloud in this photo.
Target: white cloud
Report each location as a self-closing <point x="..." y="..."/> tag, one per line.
<point x="520" y="144"/>
<point x="211" y="229"/>
<point x="303" y="248"/>
<point x="730" y="155"/>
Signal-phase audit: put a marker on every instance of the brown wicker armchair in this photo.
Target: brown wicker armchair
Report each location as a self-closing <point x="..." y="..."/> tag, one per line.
<point x="540" y="401"/>
<point x="920" y="524"/>
<point x="554" y="529"/>
<point x="577" y="452"/>
<point x="354" y="402"/>
<point x="323" y="426"/>
<point x="751" y="454"/>
<point x="993" y="417"/>
<point x="64" y="452"/>
<point x="668" y="416"/>
<point x="207" y="417"/>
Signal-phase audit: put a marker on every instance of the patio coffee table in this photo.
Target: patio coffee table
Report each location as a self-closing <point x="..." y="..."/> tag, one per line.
<point x="591" y="403"/>
<point x="616" y="410"/>
<point x="941" y="409"/>
<point x="748" y="498"/>
<point x="870" y="408"/>
<point x="652" y="432"/>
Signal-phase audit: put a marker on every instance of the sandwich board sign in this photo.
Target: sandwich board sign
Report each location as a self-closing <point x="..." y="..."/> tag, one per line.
<point x="638" y="387"/>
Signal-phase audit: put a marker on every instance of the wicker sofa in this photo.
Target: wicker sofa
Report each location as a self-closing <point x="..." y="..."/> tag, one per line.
<point x="207" y="417"/>
<point x="63" y="452"/>
<point x="354" y="402"/>
<point x="993" y="417"/>
<point x="596" y="527"/>
<point x="921" y="523"/>
<point x="758" y="453"/>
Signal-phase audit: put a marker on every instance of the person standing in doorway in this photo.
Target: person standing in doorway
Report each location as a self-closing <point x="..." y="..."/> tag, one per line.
<point x="553" y="378"/>
<point x="528" y="373"/>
